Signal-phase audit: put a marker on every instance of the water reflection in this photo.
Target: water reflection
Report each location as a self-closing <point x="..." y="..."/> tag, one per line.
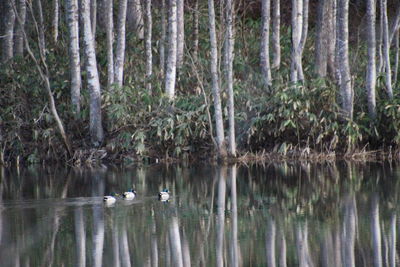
<point x="282" y="214"/>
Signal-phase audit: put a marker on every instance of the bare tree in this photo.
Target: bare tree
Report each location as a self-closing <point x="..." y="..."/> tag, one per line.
<point x="371" y="67"/>
<point x="149" y="55"/>
<point x="18" y="37"/>
<point x="395" y="24"/>
<point x="56" y="10"/>
<point x="196" y="30"/>
<point x="321" y="39"/>
<point x="180" y="9"/>
<point x="331" y="37"/>
<point x="386" y="48"/>
<point x="9" y="22"/>
<point x="276" y="35"/>
<point x="120" y="50"/>
<point x="170" y="75"/>
<point x="346" y="88"/>
<point x="96" y="128"/>
<point x="110" y="42"/>
<point x="163" y="37"/>
<point x="74" y="57"/>
<point x="215" y="82"/>
<point x="264" y="53"/>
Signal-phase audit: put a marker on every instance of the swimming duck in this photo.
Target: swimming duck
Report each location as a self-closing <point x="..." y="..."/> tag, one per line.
<point x="129" y="195"/>
<point x="163" y="195"/>
<point x="110" y="199"/>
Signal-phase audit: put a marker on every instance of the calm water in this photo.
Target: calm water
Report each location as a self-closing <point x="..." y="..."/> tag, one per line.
<point x="338" y="214"/>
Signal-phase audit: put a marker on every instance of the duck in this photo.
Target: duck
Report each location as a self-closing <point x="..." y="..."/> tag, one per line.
<point x="110" y="199"/>
<point x="129" y="195"/>
<point x="163" y="195"/>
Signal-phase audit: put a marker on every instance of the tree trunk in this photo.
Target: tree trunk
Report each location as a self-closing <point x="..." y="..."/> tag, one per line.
<point x="321" y="39"/>
<point x="346" y="89"/>
<point x="170" y="75"/>
<point x="9" y="22"/>
<point x="349" y="225"/>
<point x="74" y="56"/>
<point x="270" y="243"/>
<point x="149" y="55"/>
<point x="371" y="67"/>
<point x="376" y="232"/>
<point x="18" y="36"/>
<point x="215" y="82"/>
<point x="180" y="33"/>
<point x="395" y="25"/>
<point x="163" y="38"/>
<point x="96" y="128"/>
<point x="396" y="58"/>
<point x="93" y="18"/>
<point x="303" y="40"/>
<point x="136" y="16"/>
<point x="297" y="22"/>
<point x="282" y="250"/>
<point x="175" y="243"/>
<point x="196" y="30"/>
<point x="234" y="216"/>
<point x="331" y="37"/>
<point x="220" y="218"/>
<point x="55" y="20"/>
<point x="276" y="35"/>
<point x="229" y="47"/>
<point x="264" y="53"/>
<point x="386" y="49"/>
<point x="42" y="40"/>
<point x="110" y="42"/>
<point x="120" y="50"/>
<point x="380" y="40"/>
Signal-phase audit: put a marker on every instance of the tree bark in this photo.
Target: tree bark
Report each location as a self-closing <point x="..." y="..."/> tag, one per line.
<point x="371" y="67"/>
<point x="42" y="40"/>
<point x="264" y="53"/>
<point x="95" y="125"/>
<point x="215" y="82"/>
<point x="9" y="22"/>
<point x="180" y="33"/>
<point x="303" y="40"/>
<point x="229" y="55"/>
<point x="346" y="89"/>
<point x="93" y="18"/>
<point x="321" y="39"/>
<point x="386" y="49"/>
<point x="395" y="25"/>
<point x="196" y="30"/>
<point x="121" y="39"/>
<point x="331" y="37"/>
<point x="163" y="38"/>
<point x="149" y="55"/>
<point x="170" y="75"/>
<point x="74" y="56"/>
<point x="18" y="37"/>
<point x="56" y="15"/>
<point x="110" y="42"/>
<point x="396" y="58"/>
<point x="276" y="35"/>
<point x="136" y="15"/>
<point x="297" y="24"/>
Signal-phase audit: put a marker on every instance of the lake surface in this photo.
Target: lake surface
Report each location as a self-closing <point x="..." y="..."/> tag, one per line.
<point x="277" y="214"/>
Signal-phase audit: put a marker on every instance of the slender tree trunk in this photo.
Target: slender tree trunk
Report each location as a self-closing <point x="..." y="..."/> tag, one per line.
<point x="9" y="22"/>
<point x="215" y="82"/>
<point x="343" y="39"/>
<point x="276" y="35"/>
<point x="56" y="15"/>
<point x="396" y="58"/>
<point x="229" y="48"/>
<point x="321" y="39"/>
<point x="163" y="38"/>
<point x="175" y="243"/>
<point x="196" y="30"/>
<point x="120" y="50"/>
<point x="18" y="37"/>
<point x="380" y="40"/>
<point x="135" y="11"/>
<point x="371" y="67"/>
<point x="297" y="22"/>
<point x="234" y="238"/>
<point x="332" y="38"/>
<point x="282" y="250"/>
<point x="180" y="33"/>
<point x="303" y="40"/>
<point x="264" y="53"/>
<point x="386" y="49"/>
<point x="395" y="25"/>
<point x="80" y="237"/>
<point x="96" y="128"/>
<point x="220" y="219"/>
<point x="93" y="18"/>
<point x="376" y="232"/>
<point x="170" y="75"/>
<point x="74" y="57"/>
<point x="270" y="243"/>
<point x="110" y="42"/>
<point x="349" y="231"/>
<point x="42" y="40"/>
<point x="149" y="55"/>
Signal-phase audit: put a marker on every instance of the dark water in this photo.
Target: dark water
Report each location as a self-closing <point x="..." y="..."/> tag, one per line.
<point x="283" y="214"/>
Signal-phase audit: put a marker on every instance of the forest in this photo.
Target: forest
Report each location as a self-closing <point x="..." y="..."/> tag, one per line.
<point x="87" y="81"/>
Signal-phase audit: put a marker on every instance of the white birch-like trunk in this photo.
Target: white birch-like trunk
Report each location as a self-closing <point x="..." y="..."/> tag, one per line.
<point x="229" y="55"/>
<point x="215" y="82"/>
<point x="170" y="75"/>
<point x="386" y="49"/>
<point x="376" y="232"/>
<point x="276" y="34"/>
<point x="93" y="18"/>
<point x="56" y="14"/>
<point x="180" y="9"/>
<point x="380" y="65"/>
<point x="163" y="38"/>
<point x="321" y="39"/>
<point x="18" y="36"/>
<point x="331" y="37"/>
<point x="42" y="40"/>
<point x="196" y="30"/>
<point x="264" y="53"/>
<point x="346" y="89"/>
<point x="371" y="67"/>
<point x="395" y="25"/>
<point x="121" y="39"/>
<point x="80" y="237"/>
<point x="303" y="39"/>
<point x="9" y="22"/>
<point x="396" y="58"/>
<point x="175" y="243"/>
<point x="149" y="55"/>
<point x="96" y="128"/>
<point x="135" y="11"/>
<point x="74" y="56"/>
<point x="110" y="42"/>
<point x="297" y="25"/>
